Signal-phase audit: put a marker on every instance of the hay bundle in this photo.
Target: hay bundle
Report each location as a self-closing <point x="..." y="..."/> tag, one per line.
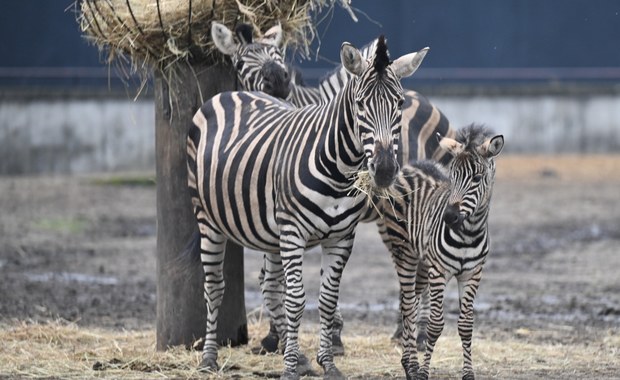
<point x="157" y="33"/>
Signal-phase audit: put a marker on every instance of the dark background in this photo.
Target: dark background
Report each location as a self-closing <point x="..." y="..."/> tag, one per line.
<point x="474" y="40"/>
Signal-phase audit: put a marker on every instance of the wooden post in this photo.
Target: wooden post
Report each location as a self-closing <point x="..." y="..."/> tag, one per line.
<point x="181" y="311"/>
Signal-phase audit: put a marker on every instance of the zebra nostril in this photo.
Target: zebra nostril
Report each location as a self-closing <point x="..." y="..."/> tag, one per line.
<point x="371" y="167"/>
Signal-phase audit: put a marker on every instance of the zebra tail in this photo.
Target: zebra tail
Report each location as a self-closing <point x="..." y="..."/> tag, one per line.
<point x="185" y="263"/>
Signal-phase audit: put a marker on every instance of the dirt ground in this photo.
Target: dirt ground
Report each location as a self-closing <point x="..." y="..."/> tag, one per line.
<point x="82" y="249"/>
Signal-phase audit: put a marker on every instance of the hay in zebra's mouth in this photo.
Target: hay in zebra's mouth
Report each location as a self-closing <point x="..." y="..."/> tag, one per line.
<point x="364" y="184"/>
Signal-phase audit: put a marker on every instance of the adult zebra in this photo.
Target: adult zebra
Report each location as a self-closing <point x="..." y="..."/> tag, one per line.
<point x="278" y="179"/>
<point x="260" y="67"/>
<point x="436" y="229"/>
<point x="260" y="64"/>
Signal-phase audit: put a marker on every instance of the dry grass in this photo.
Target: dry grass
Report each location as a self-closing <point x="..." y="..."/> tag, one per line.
<point x="61" y="350"/>
<point x="158" y="33"/>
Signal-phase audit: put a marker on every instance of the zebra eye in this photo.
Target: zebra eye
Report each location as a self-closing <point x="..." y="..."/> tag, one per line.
<point x="401" y="101"/>
<point x="239" y="65"/>
<point x="360" y="105"/>
<point x="477" y="178"/>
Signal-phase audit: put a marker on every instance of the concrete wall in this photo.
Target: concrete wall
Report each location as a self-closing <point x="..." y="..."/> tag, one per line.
<point x="542" y="123"/>
<point x="103" y="134"/>
<point x="76" y="136"/>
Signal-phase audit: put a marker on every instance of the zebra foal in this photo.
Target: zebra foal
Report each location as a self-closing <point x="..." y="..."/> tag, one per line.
<point x="277" y="179"/>
<point x="436" y="229"/>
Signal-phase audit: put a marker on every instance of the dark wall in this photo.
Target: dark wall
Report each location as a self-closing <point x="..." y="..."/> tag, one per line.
<point x="479" y="40"/>
<point x="524" y="39"/>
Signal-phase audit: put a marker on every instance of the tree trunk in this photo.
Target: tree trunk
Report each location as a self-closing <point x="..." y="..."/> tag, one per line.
<point x="181" y="311"/>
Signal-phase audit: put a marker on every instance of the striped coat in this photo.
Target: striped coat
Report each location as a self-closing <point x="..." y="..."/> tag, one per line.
<point x="436" y="229"/>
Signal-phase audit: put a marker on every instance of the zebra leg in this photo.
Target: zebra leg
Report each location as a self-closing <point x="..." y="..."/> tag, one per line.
<point x="272" y="287"/>
<point x="422" y="292"/>
<point x="468" y="286"/>
<point x="406" y="267"/>
<point x="437" y="283"/>
<point x="292" y="252"/>
<point x="212" y="245"/>
<point x="334" y="259"/>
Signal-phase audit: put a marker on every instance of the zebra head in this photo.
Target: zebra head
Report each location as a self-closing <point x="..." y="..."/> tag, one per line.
<point x="472" y="172"/>
<point x="259" y="64"/>
<point x="377" y="101"/>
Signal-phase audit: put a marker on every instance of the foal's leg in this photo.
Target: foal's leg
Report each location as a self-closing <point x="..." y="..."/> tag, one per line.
<point x="437" y="282"/>
<point x="406" y="263"/>
<point x="468" y="286"/>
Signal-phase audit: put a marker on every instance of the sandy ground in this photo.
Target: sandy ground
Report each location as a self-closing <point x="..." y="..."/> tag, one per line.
<point x="83" y="249"/>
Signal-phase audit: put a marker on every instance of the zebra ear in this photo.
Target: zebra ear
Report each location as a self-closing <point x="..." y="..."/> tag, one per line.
<point x="452" y="146"/>
<point x="491" y="147"/>
<point x="406" y="65"/>
<point x="273" y="36"/>
<point x="223" y="38"/>
<point x="352" y="59"/>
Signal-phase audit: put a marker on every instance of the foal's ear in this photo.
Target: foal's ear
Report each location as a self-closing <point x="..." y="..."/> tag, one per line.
<point x="223" y="38"/>
<point x="450" y="145"/>
<point x="491" y="147"/>
<point x="406" y="65"/>
<point x="273" y="36"/>
<point x="352" y="59"/>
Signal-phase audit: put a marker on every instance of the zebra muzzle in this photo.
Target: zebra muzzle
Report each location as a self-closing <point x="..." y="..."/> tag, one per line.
<point x="452" y="216"/>
<point x="276" y="80"/>
<point x="383" y="168"/>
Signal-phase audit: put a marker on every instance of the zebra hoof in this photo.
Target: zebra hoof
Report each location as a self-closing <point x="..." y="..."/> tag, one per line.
<point x="289" y="375"/>
<point x="333" y="374"/>
<point x="337" y="346"/>
<point x="208" y="365"/>
<point x="469" y="376"/>
<point x="269" y="344"/>
<point x="304" y="367"/>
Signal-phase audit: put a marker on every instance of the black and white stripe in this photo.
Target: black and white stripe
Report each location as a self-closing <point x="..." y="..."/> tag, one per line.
<point x="259" y="63"/>
<point x="421" y="119"/>
<point x="436" y="229"/>
<point x="277" y="179"/>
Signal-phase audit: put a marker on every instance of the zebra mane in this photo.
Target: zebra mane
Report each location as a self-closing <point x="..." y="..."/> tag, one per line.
<point x="382" y="57"/>
<point x="244" y="33"/>
<point x="432" y="169"/>
<point x="473" y="135"/>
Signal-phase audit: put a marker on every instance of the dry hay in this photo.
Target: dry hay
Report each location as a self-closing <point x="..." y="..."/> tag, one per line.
<point x="376" y="198"/>
<point x="63" y="350"/>
<point x="157" y="33"/>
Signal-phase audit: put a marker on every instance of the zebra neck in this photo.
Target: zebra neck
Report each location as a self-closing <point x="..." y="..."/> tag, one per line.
<point x="472" y="232"/>
<point x="341" y="144"/>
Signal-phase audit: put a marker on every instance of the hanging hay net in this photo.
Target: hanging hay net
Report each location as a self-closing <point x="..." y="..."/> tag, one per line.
<point x="158" y="33"/>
